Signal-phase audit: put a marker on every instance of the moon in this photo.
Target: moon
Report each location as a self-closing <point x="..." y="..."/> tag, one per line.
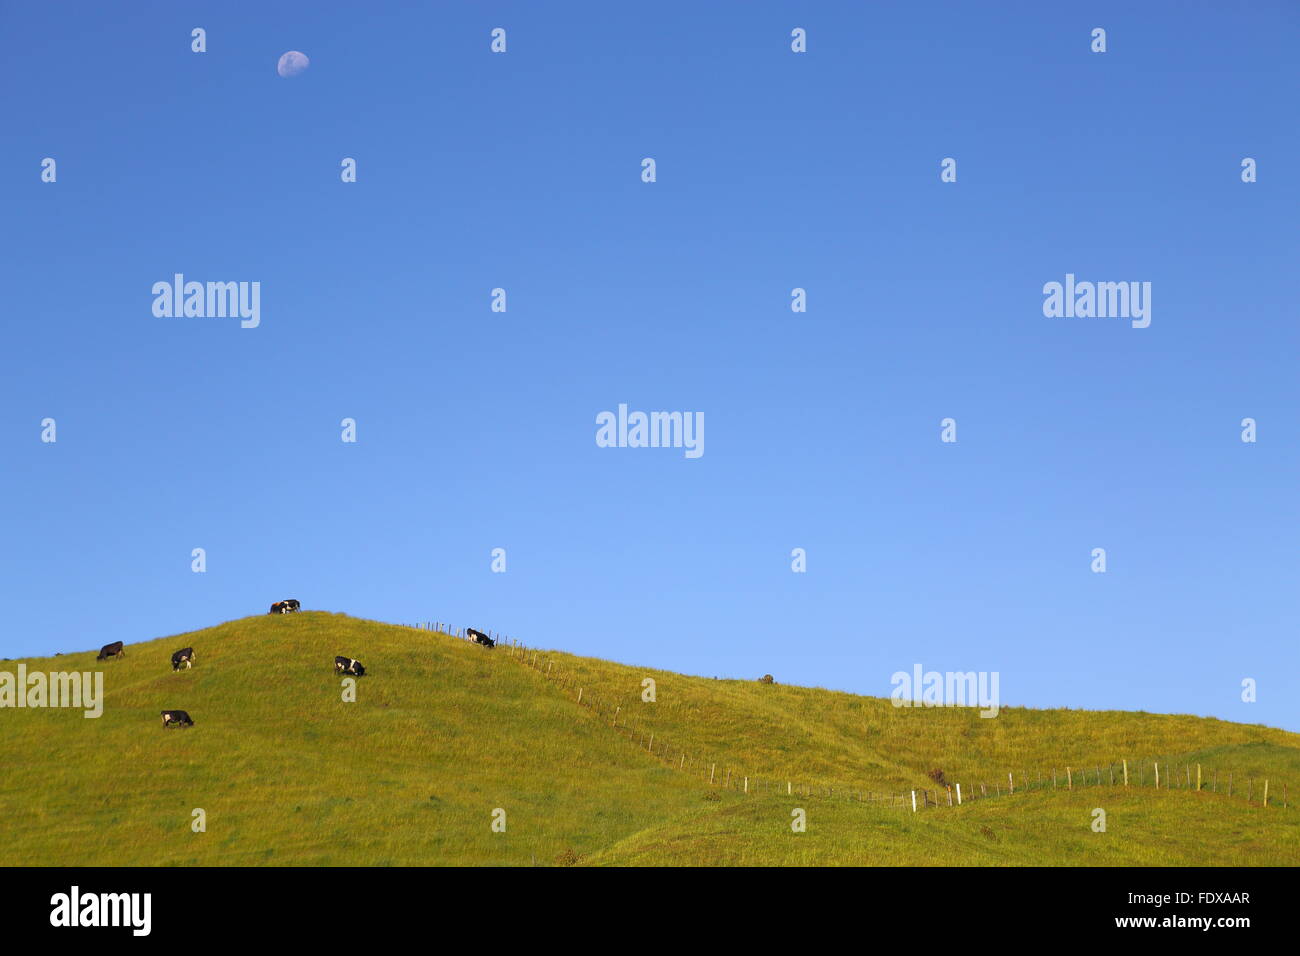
<point x="292" y="63"/>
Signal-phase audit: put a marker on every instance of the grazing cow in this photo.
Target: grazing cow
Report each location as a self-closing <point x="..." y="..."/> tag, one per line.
<point x="348" y="665"/>
<point x="111" y="650"/>
<point x="291" y="606"/>
<point x="478" y="637"/>
<point x="184" y="656"/>
<point x="277" y="608"/>
<point x="177" y="717"/>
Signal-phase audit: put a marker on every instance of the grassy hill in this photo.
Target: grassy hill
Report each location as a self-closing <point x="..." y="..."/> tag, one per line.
<point x="443" y="734"/>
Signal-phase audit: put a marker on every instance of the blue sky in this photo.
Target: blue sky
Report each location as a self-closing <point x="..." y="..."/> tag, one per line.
<point x="775" y="170"/>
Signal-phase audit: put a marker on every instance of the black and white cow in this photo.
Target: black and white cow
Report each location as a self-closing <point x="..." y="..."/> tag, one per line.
<point x="478" y="637"/>
<point x="291" y="606"/>
<point x="176" y="717"/>
<point x="184" y="656"/>
<point x="348" y="665"/>
<point x="111" y="650"/>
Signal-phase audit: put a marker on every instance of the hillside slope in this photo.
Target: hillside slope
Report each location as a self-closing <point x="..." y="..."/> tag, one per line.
<point x="444" y="736"/>
<point x="829" y="737"/>
<point x="1174" y="828"/>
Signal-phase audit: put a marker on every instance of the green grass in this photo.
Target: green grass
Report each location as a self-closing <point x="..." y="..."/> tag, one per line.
<point x="827" y="737"/>
<point x="444" y="733"/>
<point x="1039" y="829"/>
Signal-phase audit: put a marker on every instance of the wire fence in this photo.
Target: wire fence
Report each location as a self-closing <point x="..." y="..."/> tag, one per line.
<point x="1163" y="773"/>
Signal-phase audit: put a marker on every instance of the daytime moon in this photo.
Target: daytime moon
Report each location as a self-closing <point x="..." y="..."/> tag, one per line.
<point x="292" y="63"/>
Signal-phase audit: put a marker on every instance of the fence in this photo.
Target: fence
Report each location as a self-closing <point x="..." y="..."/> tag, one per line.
<point x="1158" y="773"/>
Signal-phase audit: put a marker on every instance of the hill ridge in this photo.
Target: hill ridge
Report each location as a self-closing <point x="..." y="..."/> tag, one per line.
<point x="533" y="658"/>
<point x="443" y="734"/>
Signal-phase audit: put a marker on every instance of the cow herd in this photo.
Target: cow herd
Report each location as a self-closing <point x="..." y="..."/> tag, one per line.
<point x="182" y="658"/>
<point x="185" y="658"/>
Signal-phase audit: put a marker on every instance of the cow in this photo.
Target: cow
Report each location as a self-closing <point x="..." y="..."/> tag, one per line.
<point x="177" y="717"/>
<point x="348" y="665"/>
<point x="277" y="608"/>
<point x="291" y="606"/>
<point x="478" y="637"/>
<point x="184" y="656"/>
<point x="111" y="650"/>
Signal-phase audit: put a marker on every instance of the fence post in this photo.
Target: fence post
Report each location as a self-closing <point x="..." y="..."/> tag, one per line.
<point x="788" y="789"/>
<point x="949" y="789"/>
<point x="1069" y="779"/>
<point x="1011" y="785"/>
<point x="682" y="766"/>
<point x="1126" y="773"/>
<point x="913" y="801"/>
<point x="711" y="769"/>
<point x="747" y="785"/>
<point x="616" y="710"/>
<point x="651" y="747"/>
<point x="1198" y="778"/>
<point x="1157" y="774"/>
<point x="580" y="695"/>
<point x="1266" y="791"/>
<point x="959" y="795"/>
